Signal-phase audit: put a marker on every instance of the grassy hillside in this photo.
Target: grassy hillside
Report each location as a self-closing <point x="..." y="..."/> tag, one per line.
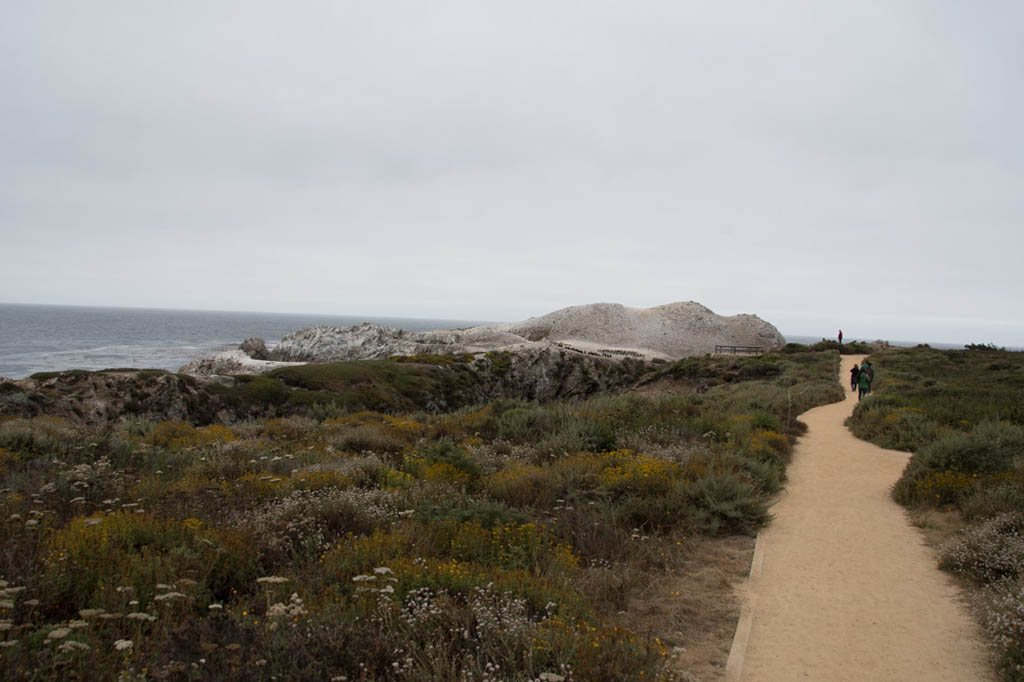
<point x="507" y="539"/>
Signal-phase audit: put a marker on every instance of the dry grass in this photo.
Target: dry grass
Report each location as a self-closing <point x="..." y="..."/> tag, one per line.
<point x="937" y="526"/>
<point x="694" y="608"/>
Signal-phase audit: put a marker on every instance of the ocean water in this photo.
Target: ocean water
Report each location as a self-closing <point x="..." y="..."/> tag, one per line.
<point x="43" y="338"/>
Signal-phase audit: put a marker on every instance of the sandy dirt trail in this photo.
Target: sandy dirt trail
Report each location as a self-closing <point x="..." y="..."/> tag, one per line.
<point x="842" y="586"/>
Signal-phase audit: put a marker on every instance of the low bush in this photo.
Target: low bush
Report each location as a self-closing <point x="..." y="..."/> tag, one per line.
<point x="994" y="496"/>
<point x="370" y="438"/>
<point x="253" y="394"/>
<point x="991" y="551"/>
<point x="447" y="453"/>
<point x="941" y="469"/>
<point x="890" y="424"/>
<point x="178" y="435"/>
<point x="523" y="485"/>
<point x="307" y="523"/>
<point x="724" y="503"/>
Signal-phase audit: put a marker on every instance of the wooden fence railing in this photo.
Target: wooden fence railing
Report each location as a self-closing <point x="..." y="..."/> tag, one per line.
<point x="739" y="349"/>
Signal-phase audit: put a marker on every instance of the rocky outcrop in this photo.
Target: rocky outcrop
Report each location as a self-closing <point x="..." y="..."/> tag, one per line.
<point x="549" y="373"/>
<point x="231" y="362"/>
<point x="255" y="348"/>
<point x="668" y="332"/>
<point x="370" y="341"/>
<point x="671" y="331"/>
<point x="101" y="397"/>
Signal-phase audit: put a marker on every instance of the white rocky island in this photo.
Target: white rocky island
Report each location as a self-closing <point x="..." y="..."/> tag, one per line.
<point x="667" y="332"/>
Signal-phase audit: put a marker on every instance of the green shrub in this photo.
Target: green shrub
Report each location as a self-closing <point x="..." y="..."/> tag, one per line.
<point x="486" y="513"/>
<point x="767" y="475"/>
<point x="653" y="511"/>
<point x="887" y="422"/>
<point x="960" y="454"/>
<point x="576" y="433"/>
<point x="997" y="495"/>
<point x="251" y="392"/>
<point x="384" y="385"/>
<point x="525" y="424"/>
<point x="446" y="452"/>
<point x="724" y="503"/>
<point x="765" y="421"/>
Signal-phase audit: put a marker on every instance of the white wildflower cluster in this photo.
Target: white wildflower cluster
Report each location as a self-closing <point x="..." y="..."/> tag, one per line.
<point x="380" y="583"/>
<point x="1002" y="614"/>
<point x="81" y="477"/>
<point x="168" y="593"/>
<point x="169" y="596"/>
<point x="9" y="593"/>
<point x="990" y="552"/>
<point x="71" y="646"/>
<point x="499" y="613"/>
<point x="550" y="677"/>
<point x="422" y="604"/>
<point x="293" y="609"/>
<point x="310" y="521"/>
<point x="493" y="457"/>
<point x="492" y="672"/>
<point x="403" y="662"/>
<point x="272" y="580"/>
<point x="141" y="616"/>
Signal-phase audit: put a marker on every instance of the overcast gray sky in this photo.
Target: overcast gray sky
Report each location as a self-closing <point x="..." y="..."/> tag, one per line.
<point x="820" y="164"/>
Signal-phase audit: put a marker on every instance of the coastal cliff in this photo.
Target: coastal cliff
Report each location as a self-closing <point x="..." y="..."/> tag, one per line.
<point x="667" y="332"/>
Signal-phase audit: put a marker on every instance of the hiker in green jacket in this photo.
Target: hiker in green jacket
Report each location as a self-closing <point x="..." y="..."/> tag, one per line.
<point x="867" y="373"/>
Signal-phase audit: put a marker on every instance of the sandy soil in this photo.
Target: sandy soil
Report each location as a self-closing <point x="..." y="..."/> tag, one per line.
<point x="842" y="587"/>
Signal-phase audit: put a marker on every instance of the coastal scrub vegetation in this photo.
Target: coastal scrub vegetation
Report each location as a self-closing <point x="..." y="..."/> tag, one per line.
<point x="961" y="413"/>
<point x="394" y="536"/>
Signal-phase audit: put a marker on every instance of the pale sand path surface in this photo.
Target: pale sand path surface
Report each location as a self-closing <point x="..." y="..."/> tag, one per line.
<point x="842" y="586"/>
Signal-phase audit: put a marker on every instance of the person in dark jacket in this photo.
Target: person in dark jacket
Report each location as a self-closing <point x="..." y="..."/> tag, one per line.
<point x="863" y="383"/>
<point x="854" y="376"/>
<point x="869" y="369"/>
